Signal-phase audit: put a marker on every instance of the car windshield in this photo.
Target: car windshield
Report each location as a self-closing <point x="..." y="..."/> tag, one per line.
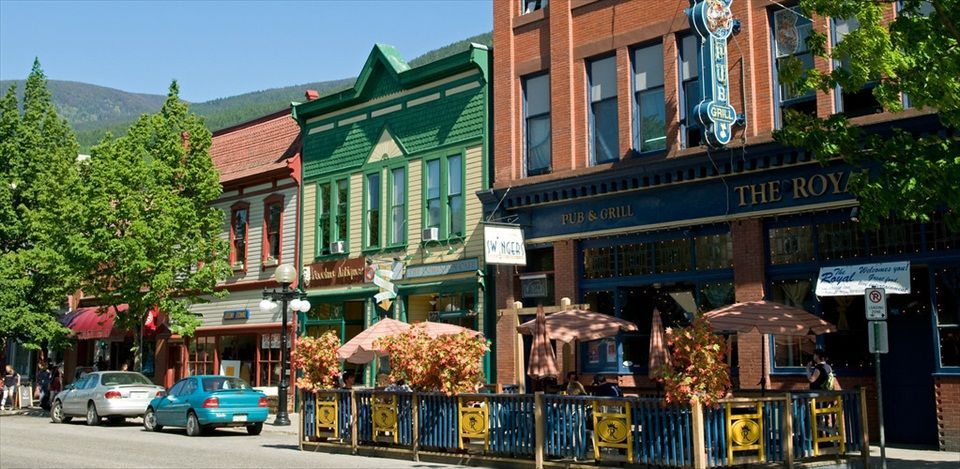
<point x="219" y="383"/>
<point x="116" y="379"/>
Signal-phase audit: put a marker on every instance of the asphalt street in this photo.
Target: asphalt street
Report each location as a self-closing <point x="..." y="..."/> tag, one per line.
<point x="32" y="441"/>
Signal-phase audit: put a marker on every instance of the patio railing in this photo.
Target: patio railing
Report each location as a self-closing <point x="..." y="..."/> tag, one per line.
<point x="780" y="428"/>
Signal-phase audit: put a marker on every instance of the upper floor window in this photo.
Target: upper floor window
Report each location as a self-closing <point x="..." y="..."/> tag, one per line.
<point x="527" y="6"/>
<point x="272" y="225"/>
<point x="790" y="32"/>
<point x="690" y="91"/>
<point x="445" y="201"/>
<point x="536" y="111"/>
<point x="398" y="205"/>
<point x="332" y="202"/>
<point x="605" y="142"/>
<point x="239" y="222"/>
<point x="853" y="103"/>
<point x="651" y="121"/>
<point x="923" y="9"/>
<point x="372" y="211"/>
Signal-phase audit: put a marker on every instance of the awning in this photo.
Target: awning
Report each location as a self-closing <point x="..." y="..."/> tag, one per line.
<point x="88" y="323"/>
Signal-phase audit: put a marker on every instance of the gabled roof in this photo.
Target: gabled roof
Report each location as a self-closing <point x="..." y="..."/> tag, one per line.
<point x="259" y="146"/>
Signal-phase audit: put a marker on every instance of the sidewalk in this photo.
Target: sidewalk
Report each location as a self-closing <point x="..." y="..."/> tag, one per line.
<point x="904" y="457"/>
<point x="292" y="429"/>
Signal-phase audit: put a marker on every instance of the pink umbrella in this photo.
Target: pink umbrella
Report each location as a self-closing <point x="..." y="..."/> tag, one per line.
<point x="579" y="325"/>
<point x="659" y="355"/>
<point x="437" y="329"/>
<point x="543" y="359"/>
<point x="360" y="349"/>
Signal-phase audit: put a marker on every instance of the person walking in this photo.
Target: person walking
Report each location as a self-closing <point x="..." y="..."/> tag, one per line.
<point x="819" y="373"/>
<point x="11" y="381"/>
<point x="43" y="386"/>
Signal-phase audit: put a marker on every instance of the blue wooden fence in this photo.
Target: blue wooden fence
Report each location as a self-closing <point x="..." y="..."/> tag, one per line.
<point x="663" y="434"/>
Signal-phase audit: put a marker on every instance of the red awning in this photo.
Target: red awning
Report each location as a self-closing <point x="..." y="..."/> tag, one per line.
<point x="90" y="323"/>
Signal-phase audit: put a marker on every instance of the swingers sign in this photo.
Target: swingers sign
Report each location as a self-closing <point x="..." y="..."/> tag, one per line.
<point x="851" y="280"/>
<point x="503" y="244"/>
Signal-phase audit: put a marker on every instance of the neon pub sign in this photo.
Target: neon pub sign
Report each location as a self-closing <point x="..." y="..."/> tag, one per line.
<point x="714" y="22"/>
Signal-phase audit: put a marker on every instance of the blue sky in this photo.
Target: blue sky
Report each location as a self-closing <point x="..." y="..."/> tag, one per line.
<point x="222" y="48"/>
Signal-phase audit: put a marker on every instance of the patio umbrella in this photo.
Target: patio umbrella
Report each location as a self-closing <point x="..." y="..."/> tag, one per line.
<point x="659" y="355"/>
<point x="543" y="359"/>
<point x="579" y="325"/>
<point x="766" y="317"/>
<point x="437" y="329"/>
<point x="360" y="349"/>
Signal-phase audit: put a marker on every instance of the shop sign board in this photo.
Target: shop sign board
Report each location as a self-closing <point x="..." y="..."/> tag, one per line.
<point x="713" y="22"/>
<point x="533" y="286"/>
<point x="851" y="280"/>
<point x="876" y="301"/>
<point x="877" y="337"/>
<point x="338" y="272"/>
<point x="234" y="315"/>
<point x="442" y="268"/>
<point x="503" y="244"/>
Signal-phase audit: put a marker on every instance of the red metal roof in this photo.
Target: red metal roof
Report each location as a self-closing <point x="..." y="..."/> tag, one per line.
<point x="259" y="146"/>
<point x="88" y="323"/>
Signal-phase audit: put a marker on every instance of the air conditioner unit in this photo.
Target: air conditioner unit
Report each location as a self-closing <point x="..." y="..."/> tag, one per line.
<point x="338" y="247"/>
<point x="431" y="234"/>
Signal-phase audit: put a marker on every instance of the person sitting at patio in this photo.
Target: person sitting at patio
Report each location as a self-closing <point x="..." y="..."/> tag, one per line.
<point x="398" y="386"/>
<point x="347" y="379"/>
<point x="573" y="386"/>
<point x="607" y="388"/>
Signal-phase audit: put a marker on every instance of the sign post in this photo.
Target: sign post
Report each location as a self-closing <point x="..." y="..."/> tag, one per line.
<point x="876" y="311"/>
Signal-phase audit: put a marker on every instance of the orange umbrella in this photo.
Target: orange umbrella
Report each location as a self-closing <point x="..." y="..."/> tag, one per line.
<point x="360" y="349"/>
<point x="767" y="317"/>
<point x="543" y="359"/>
<point x="581" y="325"/>
<point x="437" y="329"/>
<point x="659" y="355"/>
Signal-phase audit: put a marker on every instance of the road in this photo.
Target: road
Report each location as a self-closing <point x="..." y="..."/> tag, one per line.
<point x="32" y="441"/>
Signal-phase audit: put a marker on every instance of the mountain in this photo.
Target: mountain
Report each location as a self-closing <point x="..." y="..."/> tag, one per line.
<point x="95" y="110"/>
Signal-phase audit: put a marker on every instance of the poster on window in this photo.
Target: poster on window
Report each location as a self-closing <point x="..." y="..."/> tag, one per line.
<point x="593" y="352"/>
<point x="611" y="350"/>
<point x="230" y="368"/>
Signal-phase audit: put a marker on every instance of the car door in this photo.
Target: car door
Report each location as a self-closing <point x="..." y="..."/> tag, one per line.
<point x="184" y="401"/>
<point x="165" y="406"/>
<point x="86" y="393"/>
<point x="68" y="398"/>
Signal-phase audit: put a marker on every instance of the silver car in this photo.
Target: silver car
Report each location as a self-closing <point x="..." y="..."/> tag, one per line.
<point x="115" y="395"/>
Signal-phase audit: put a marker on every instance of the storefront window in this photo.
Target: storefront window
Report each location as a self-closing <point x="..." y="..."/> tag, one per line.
<point x="840" y="240"/>
<point x="894" y="237"/>
<point x="714" y="251"/>
<point x="269" y="373"/>
<point x="456" y="308"/>
<point x="939" y="236"/>
<point x="794" y="351"/>
<point x="673" y="255"/>
<point x="947" y="290"/>
<point x="201" y="351"/>
<point x="598" y="263"/>
<point x="600" y="301"/>
<point x="791" y="244"/>
<point x="238" y="354"/>
<point x="536" y="282"/>
<point x="635" y="259"/>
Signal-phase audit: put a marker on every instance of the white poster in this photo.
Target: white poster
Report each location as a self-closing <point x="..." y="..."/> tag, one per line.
<point x="894" y="277"/>
<point x="503" y="244"/>
<point x="230" y="368"/>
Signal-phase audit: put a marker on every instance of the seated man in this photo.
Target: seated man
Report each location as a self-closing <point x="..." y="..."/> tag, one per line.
<point x="608" y="387"/>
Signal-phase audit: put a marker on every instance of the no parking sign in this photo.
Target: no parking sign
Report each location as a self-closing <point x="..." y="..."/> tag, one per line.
<point x="876" y="303"/>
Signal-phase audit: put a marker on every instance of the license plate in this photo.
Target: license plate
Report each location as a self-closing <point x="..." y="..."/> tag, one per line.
<point x="240" y="418"/>
<point x="138" y="395"/>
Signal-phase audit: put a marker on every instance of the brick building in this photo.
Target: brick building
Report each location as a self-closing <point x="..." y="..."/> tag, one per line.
<point x="624" y="208"/>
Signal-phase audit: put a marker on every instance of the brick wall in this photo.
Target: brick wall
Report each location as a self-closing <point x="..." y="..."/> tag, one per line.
<point x="748" y="278"/>
<point x="947" y="393"/>
<point x="565" y="271"/>
<point x="506" y="338"/>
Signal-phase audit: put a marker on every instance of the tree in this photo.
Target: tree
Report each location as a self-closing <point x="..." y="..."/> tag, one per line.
<point x="147" y="233"/>
<point x="918" y="56"/>
<point x="450" y="364"/>
<point x="698" y="370"/>
<point x="38" y="181"/>
<point x="317" y="358"/>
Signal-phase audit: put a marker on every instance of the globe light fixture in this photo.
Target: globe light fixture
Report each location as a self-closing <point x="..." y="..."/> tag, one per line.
<point x="290" y="300"/>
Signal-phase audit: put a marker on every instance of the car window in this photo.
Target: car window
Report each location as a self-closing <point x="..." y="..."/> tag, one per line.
<point x="80" y="383"/>
<point x="175" y="390"/>
<point x="91" y="382"/>
<point x="223" y="382"/>
<point x="121" y="378"/>
<point x="188" y="387"/>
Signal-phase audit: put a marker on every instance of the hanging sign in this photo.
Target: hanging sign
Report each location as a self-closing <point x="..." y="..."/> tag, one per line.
<point x="503" y="244"/>
<point x="714" y="22"/>
<point x="850" y="280"/>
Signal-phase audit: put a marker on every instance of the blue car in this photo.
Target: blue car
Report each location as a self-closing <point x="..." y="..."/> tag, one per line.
<point x="201" y="403"/>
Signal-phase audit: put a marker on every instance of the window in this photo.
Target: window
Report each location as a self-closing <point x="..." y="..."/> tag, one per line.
<point x="790" y="32"/>
<point x="372" y="214"/>
<point x="445" y="201"/>
<point x="239" y="221"/>
<point x="272" y="222"/>
<point x="536" y="110"/>
<point x="527" y="6"/>
<point x="859" y="102"/>
<point x="794" y="351"/>
<point x="176" y="389"/>
<point x="651" y="121"/>
<point x="269" y="370"/>
<point x="605" y="143"/>
<point x="332" y="203"/>
<point x="201" y="352"/>
<point x="398" y="205"/>
<point x="690" y="91"/>
<point x="947" y="291"/>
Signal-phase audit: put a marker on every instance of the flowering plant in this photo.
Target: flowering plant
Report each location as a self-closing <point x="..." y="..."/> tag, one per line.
<point x="450" y="364"/>
<point x="317" y="358"/>
<point x="698" y="371"/>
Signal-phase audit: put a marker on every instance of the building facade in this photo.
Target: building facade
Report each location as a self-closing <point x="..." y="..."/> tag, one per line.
<point x="624" y="208"/>
<point x="391" y="226"/>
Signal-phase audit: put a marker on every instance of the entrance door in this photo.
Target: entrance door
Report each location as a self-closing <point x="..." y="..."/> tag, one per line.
<point x="175" y="365"/>
<point x="909" y="409"/>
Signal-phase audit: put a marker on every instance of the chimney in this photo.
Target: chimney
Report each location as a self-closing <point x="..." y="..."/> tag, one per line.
<point x="311" y="95"/>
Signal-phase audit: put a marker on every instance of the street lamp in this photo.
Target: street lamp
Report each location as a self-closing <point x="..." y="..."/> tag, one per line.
<point x="285" y="275"/>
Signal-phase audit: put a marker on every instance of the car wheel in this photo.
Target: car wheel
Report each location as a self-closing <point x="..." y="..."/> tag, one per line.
<point x="93" y="418"/>
<point x="56" y="414"/>
<point x="255" y="429"/>
<point x="150" y="421"/>
<point x="193" y="425"/>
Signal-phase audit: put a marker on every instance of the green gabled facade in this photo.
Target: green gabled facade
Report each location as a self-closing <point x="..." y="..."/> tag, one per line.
<point x="402" y="152"/>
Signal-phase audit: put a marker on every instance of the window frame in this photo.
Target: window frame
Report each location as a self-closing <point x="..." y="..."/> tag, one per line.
<point x="444" y="166"/>
<point x="367" y="245"/>
<point x="524" y="80"/>
<point x="234" y="209"/>
<point x="536" y="5"/>
<point x="686" y="126"/>
<point x="321" y="244"/>
<point x="779" y="103"/>
<point x="838" y="91"/>
<point x="273" y="199"/>
<point x="391" y="204"/>
<point x="637" y="101"/>
<point x="591" y="112"/>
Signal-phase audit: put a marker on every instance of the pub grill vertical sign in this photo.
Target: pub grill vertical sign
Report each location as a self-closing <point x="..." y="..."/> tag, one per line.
<point x="714" y="22"/>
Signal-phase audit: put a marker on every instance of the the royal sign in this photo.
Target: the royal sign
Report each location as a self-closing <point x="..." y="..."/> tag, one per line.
<point x="714" y="22"/>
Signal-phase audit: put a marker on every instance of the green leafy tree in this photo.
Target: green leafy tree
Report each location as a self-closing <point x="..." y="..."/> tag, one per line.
<point x="916" y="55"/>
<point x="38" y="180"/>
<point x="148" y="235"/>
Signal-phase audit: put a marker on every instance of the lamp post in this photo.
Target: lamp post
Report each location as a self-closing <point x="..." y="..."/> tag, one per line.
<point x="285" y="275"/>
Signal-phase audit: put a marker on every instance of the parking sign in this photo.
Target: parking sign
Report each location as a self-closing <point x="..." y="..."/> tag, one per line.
<point x="876" y="302"/>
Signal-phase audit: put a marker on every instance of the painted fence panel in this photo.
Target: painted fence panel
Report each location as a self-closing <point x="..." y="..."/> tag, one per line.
<point x="438" y="421"/>
<point x="663" y="434"/>
<point x="566" y="427"/>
